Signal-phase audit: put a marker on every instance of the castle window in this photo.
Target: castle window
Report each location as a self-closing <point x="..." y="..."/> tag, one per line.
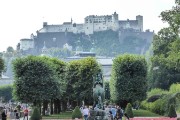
<point x="87" y="27"/>
<point x="99" y="27"/>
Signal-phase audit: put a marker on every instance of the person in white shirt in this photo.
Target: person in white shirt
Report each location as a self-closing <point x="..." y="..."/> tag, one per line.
<point x="85" y="112"/>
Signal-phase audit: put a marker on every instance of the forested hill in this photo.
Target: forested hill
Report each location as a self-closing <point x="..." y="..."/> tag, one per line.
<point x="111" y="43"/>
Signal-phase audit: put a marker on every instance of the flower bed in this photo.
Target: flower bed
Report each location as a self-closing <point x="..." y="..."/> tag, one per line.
<point x="151" y="118"/>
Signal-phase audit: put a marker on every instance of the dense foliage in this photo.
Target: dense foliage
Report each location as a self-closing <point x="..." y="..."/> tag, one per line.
<point x="76" y="113"/>
<point x="6" y="92"/>
<point x="35" y="114"/>
<point x="107" y="43"/>
<point x="107" y="90"/>
<point x="128" y="82"/>
<point x="129" y="111"/>
<point x="165" y="69"/>
<point x="172" y="112"/>
<point x="79" y="75"/>
<point x="35" y="79"/>
<point x="162" y="104"/>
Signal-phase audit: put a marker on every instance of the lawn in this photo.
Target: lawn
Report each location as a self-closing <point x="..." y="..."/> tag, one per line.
<point x="137" y="113"/>
<point x="144" y="113"/>
<point x="64" y="115"/>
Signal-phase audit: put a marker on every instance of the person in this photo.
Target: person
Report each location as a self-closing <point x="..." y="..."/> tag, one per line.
<point x="25" y="114"/>
<point x="110" y="116"/>
<point x="85" y="112"/>
<point x="113" y="110"/>
<point x="4" y="116"/>
<point x="119" y="113"/>
<point x="126" y="116"/>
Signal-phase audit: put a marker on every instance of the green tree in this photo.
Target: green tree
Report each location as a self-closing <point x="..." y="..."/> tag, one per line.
<point x="166" y="52"/>
<point x="128" y="83"/>
<point x="129" y="111"/>
<point x="35" y="114"/>
<point x="10" y="49"/>
<point x="107" y="90"/>
<point x="89" y="67"/>
<point x="35" y="80"/>
<point x="162" y="40"/>
<point x="172" y="112"/>
<point x="76" y="113"/>
<point x="6" y="92"/>
<point x="80" y="82"/>
<point x="72" y="78"/>
<point x="59" y="67"/>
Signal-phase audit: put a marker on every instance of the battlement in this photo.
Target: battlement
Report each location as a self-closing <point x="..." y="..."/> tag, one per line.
<point x="95" y="23"/>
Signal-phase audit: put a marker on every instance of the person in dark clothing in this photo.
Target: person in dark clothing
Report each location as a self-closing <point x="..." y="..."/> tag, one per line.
<point x="119" y="114"/>
<point x="4" y="116"/>
<point x="110" y="117"/>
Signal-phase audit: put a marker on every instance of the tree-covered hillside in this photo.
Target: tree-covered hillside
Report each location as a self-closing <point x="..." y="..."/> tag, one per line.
<point x="109" y="43"/>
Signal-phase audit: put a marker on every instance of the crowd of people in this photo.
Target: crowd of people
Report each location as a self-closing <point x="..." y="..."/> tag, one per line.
<point x="14" y="112"/>
<point x="113" y="112"/>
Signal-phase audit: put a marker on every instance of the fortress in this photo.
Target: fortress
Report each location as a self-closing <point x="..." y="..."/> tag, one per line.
<point x="94" y="23"/>
<point x="59" y="35"/>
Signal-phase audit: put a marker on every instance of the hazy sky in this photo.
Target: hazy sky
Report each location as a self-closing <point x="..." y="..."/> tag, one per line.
<point x="20" y="18"/>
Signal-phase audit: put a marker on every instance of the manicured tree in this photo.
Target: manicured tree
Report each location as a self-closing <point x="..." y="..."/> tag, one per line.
<point x="59" y="67"/>
<point x="76" y="113"/>
<point x="72" y="77"/>
<point x="80" y="81"/>
<point x="129" y="111"/>
<point x="1" y="66"/>
<point x="6" y="92"/>
<point x="89" y="67"/>
<point x="172" y="111"/>
<point x="35" y="80"/>
<point x="107" y="90"/>
<point x="35" y="114"/>
<point x="128" y="83"/>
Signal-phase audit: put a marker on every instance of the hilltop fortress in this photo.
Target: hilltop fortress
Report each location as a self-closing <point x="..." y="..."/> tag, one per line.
<point x="61" y="35"/>
<point x="94" y="23"/>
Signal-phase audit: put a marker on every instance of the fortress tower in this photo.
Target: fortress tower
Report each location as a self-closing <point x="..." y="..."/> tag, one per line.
<point x="139" y="18"/>
<point x="115" y="21"/>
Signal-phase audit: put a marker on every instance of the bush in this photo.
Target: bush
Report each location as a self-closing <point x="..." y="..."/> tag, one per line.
<point x="153" y="98"/>
<point x="35" y="114"/>
<point x="172" y="112"/>
<point x="129" y="111"/>
<point x="76" y="113"/>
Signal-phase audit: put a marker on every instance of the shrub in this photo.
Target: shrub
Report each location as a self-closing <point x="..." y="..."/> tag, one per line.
<point x="129" y="111"/>
<point x="76" y="113"/>
<point x="153" y="98"/>
<point x="35" y="114"/>
<point x="156" y="91"/>
<point x="172" y="112"/>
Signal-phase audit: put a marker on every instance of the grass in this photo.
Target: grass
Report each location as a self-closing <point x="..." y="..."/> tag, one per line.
<point x="68" y="115"/>
<point x="64" y="115"/>
<point x="144" y="113"/>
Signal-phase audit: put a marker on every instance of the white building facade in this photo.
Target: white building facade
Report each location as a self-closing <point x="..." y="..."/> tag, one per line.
<point x="94" y="23"/>
<point x="26" y="44"/>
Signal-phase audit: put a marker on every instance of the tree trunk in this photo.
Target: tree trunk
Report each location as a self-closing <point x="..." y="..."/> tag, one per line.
<point x="55" y="106"/>
<point x="45" y="107"/>
<point x="59" y="106"/>
<point x="51" y="105"/>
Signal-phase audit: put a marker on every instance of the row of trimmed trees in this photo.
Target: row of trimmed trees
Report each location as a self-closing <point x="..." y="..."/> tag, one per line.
<point x="49" y="80"/>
